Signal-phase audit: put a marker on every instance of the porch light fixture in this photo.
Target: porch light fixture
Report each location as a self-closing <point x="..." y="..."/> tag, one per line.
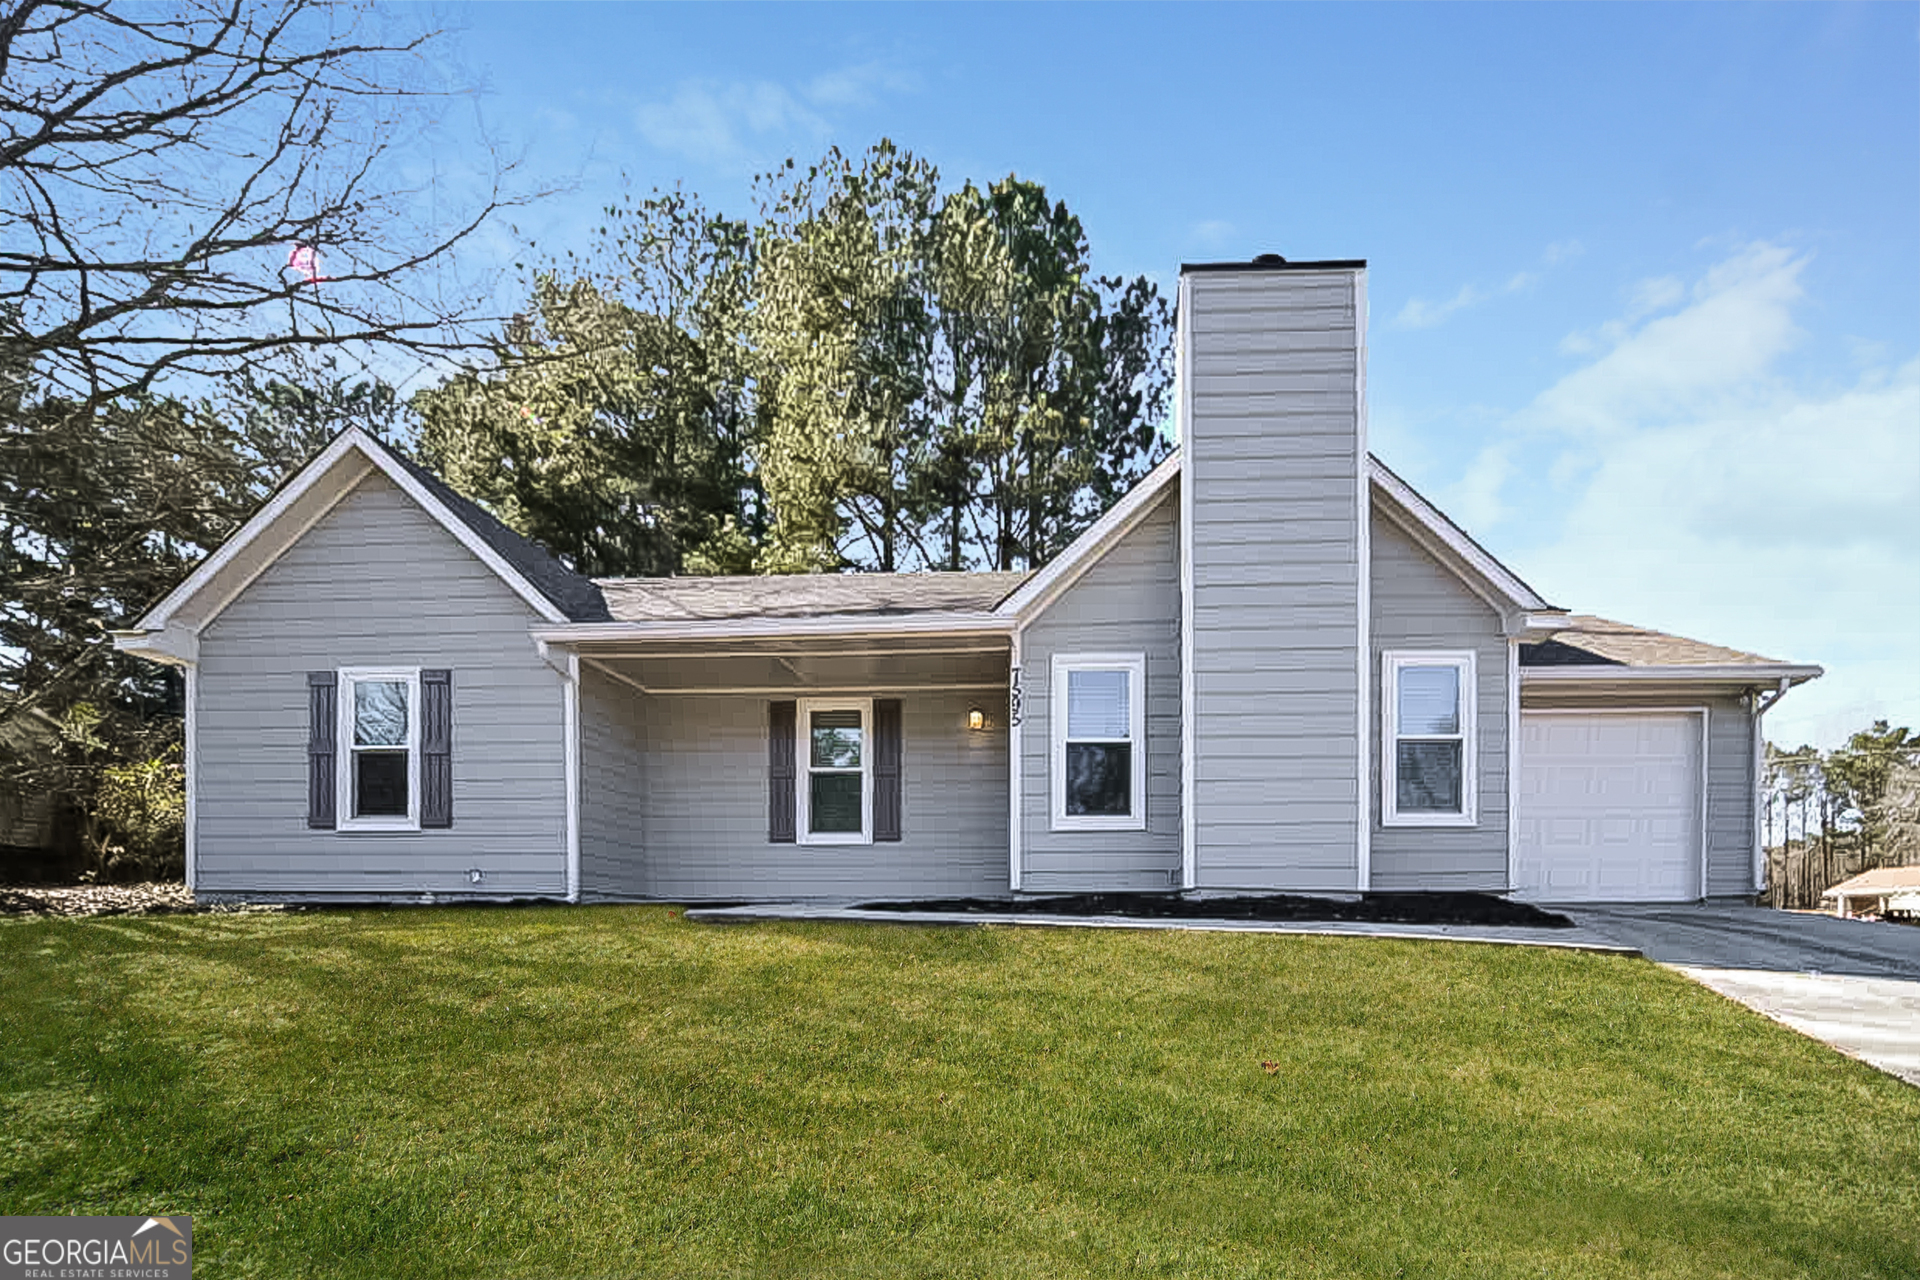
<point x="976" y="718"/>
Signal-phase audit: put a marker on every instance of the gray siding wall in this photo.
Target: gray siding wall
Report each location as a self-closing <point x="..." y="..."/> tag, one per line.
<point x="613" y="811"/>
<point x="1128" y="602"/>
<point x="1273" y="478"/>
<point x="1730" y="807"/>
<point x="1419" y="604"/>
<point x="706" y="805"/>
<point x="378" y="582"/>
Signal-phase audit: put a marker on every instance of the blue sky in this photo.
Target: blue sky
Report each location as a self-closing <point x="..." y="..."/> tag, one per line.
<point x="1645" y="280"/>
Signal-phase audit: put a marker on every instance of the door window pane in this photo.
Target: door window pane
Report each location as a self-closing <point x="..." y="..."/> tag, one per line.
<point x="379" y="713"/>
<point x="1097" y="705"/>
<point x="380" y="784"/>
<point x="1100" y="778"/>
<point x="834" y="804"/>
<point x="1430" y="777"/>
<point x="1429" y="700"/>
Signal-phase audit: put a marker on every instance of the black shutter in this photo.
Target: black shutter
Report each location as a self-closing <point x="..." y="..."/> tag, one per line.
<point x="781" y="718"/>
<point x="886" y="769"/>
<point x="322" y="688"/>
<point x="436" y="748"/>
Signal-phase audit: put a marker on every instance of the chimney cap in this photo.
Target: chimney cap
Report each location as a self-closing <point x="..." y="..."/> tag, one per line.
<point x="1274" y="262"/>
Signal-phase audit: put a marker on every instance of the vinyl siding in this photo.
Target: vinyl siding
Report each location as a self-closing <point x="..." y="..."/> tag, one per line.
<point x="377" y="582"/>
<point x="1127" y="602"/>
<point x="1419" y="604"/>
<point x="613" y="815"/>
<point x="1730" y="803"/>
<point x="705" y="793"/>
<point x="1273" y="478"/>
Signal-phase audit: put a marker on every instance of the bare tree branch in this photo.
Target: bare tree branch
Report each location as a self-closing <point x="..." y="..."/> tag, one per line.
<point x="159" y="163"/>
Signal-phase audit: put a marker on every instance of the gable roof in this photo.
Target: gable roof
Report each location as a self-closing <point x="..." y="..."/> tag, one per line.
<point x="574" y="594"/>
<point x="555" y="592"/>
<point x="1452" y="544"/>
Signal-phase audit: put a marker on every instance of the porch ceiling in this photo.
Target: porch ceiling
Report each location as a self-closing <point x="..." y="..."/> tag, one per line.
<point x="968" y="662"/>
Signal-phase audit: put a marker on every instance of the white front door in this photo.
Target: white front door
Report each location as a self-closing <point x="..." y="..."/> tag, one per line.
<point x="1608" y="808"/>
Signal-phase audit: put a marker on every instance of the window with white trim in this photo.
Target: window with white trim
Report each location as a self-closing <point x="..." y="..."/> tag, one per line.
<point x="1427" y="765"/>
<point x="836" y="771"/>
<point x="1098" y="726"/>
<point x="379" y="735"/>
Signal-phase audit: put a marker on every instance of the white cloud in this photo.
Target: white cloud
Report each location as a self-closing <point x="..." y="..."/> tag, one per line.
<point x="729" y="122"/>
<point x="721" y="122"/>
<point x="1418" y="313"/>
<point x="1702" y="493"/>
<point x="1421" y="314"/>
<point x="1214" y="233"/>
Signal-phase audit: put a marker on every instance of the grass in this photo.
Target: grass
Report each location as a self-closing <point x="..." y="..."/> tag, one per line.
<point x="616" y="1092"/>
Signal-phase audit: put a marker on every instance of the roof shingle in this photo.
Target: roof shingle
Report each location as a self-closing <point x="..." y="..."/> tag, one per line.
<point x="803" y="595"/>
<point x="1590" y="641"/>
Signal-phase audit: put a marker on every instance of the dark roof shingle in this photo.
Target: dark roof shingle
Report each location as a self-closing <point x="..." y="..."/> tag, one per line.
<point x="1590" y="641"/>
<point x="803" y="595"/>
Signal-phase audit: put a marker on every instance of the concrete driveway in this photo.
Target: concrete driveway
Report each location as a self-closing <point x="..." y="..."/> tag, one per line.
<point x="1852" y="983"/>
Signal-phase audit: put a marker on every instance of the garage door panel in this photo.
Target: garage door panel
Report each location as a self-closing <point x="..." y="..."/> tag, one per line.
<point x="1609" y="807"/>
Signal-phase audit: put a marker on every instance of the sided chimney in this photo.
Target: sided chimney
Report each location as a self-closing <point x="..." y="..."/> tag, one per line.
<point x="1274" y="573"/>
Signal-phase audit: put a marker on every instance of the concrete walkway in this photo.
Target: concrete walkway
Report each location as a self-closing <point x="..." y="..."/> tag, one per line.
<point x="1854" y="984"/>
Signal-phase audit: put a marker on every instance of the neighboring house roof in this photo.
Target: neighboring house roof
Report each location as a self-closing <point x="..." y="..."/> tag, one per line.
<point x="1881" y="880"/>
<point x="803" y="595"/>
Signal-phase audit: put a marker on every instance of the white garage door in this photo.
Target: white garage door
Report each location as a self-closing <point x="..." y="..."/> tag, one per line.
<point x="1608" y="807"/>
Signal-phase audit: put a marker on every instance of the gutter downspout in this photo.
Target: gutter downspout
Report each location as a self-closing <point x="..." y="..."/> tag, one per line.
<point x="1760" y="708"/>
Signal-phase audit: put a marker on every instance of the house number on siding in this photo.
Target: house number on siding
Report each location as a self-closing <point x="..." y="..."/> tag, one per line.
<point x="1013" y="697"/>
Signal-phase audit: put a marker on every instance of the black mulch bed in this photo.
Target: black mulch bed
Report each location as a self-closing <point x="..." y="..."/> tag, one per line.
<point x="1374" y="908"/>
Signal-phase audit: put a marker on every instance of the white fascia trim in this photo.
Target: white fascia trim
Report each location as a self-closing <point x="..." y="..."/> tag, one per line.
<point x="1432" y="522"/>
<point x="1061" y="572"/>
<point x="570" y="718"/>
<point x="845" y="625"/>
<point x="1016" y="763"/>
<point x="1135" y="665"/>
<point x="1363" y="541"/>
<point x="1467" y="661"/>
<point x="349" y="440"/>
<point x="174" y="646"/>
<point x="190" y="763"/>
<point x="1722" y="674"/>
<point x="1189" y="732"/>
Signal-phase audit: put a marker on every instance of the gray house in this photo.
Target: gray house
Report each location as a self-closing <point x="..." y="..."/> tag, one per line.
<point x="1271" y="666"/>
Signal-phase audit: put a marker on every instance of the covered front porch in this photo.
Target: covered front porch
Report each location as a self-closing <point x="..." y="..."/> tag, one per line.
<point x="845" y="762"/>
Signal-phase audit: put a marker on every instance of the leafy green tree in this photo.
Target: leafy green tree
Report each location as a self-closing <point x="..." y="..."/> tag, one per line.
<point x="600" y="436"/>
<point x="841" y="335"/>
<point x="1860" y="773"/>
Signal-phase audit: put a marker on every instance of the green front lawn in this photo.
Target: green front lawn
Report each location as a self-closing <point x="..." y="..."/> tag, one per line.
<point x="614" y="1091"/>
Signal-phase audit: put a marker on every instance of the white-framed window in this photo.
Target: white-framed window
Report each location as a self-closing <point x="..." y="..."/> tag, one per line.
<point x="378" y="773"/>
<point x="1098" y="724"/>
<point x="835" y="754"/>
<point x="1427" y="765"/>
